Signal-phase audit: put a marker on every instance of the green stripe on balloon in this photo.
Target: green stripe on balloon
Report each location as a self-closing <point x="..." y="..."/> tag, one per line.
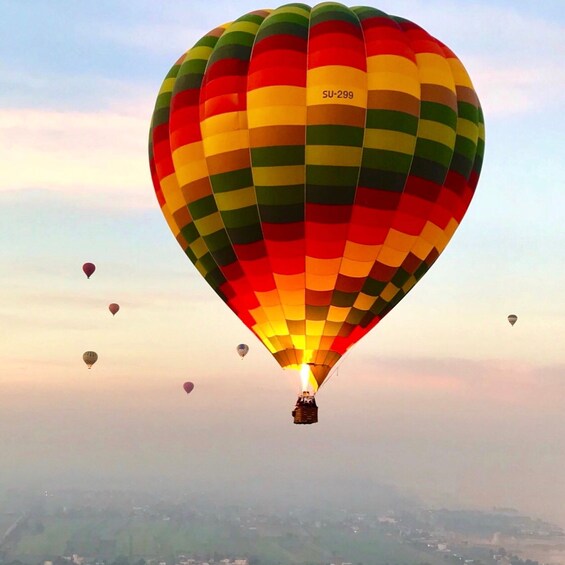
<point x="330" y="11"/>
<point x="277" y="156"/>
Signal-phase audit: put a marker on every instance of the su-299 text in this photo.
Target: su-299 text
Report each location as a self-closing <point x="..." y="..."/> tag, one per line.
<point x="337" y="94"/>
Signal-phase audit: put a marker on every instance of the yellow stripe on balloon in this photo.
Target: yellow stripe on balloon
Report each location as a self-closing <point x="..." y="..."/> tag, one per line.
<point x="314" y="328"/>
<point x="188" y="153"/>
<point x="421" y="248"/>
<point x="236" y="199"/>
<point x="386" y="80"/>
<point x="434" y="69"/>
<point x="269" y="298"/>
<point x="322" y="266"/>
<point x="280" y="95"/>
<point x="276" y="343"/>
<point x="294" y="312"/>
<point x="221" y="123"/>
<point x="320" y="282"/>
<point x="332" y="328"/>
<point x="276" y="317"/>
<point x="313" y="342"/>
<point x="243" y="26"/>
<point x="391" y="257"/>
<point x="409" y="283"/>
<point x="290" y="282"/>
<point x="290" y="9"/>
<point x="190" y="172"/>
<point x="400" y="241"/>
<point x="167" y="86"/>
<point x="389" y="140"/>
<point x="355" y="269"/>
<point x="395" y="64"/>
<point x="298" y="341"/>
<point x="285" y="175"/>
<point x="459" y="73"/>
<point x="201" y="268"/>
<point x="172" y="194"/>
<point x="277" y="116"/>
<point x="199" y="248"/>
<point x="432" y="233"/>
<point x="264" y="338"/>
<point x="229" y="140"/>
<point x="190" y="164"/>
<point x="292" y="297"/>
<point x="361" y="251"/>
<point x="447" y="234"/>
<point x="466" y="128"/>
<point x="389" y="292"/>
<point x="337" y="314"/>
<point x="331" y="154"/>
<point x="209" y="224"/>
<point x="201" y="52"/>
<point x="337" y="76"/>
<point x="259" y="316"/>
<point x="436" y="131"/>
<point x="171" y="222"/>
<point x="363" y="301"/>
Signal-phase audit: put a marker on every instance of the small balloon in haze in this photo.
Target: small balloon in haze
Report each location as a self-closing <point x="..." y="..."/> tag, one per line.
<point x="90" y="357"/>
<point x="242" y="350"/>
<point x="188" y="387"/>
<point x="512" y="319"/>
<point x="88" y="269"/>
<point x="114" y="308"/>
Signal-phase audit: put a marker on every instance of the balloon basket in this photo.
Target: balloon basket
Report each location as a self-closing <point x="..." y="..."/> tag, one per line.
<point x="306" y="410"/>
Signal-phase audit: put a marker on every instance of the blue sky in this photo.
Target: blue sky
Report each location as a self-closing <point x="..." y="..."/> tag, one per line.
<point x="77" y="85"/>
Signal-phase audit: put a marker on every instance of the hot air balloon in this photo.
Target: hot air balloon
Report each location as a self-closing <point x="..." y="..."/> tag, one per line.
<point x="188" y="387"/>
<point x="90" y="357"/>
<point x="242" y="350"/>
<point x="114" y="308"/>
<point x="313" y="163"/>
<point x="512" y="319"/>
<point x="88" y="269"/>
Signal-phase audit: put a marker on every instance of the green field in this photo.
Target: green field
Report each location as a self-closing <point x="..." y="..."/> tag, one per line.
<point x="142" y="538"/>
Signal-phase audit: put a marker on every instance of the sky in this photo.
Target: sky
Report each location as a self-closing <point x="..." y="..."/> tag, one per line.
<point x="443" y="399"/>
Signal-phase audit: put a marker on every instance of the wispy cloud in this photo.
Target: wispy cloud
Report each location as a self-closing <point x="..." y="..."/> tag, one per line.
<point x="172" y="38"/>
<point x="77" y="152"/>
<point x="77" y="90"/>
<point x="518" y="89"/>
<point x="497" y="381"/>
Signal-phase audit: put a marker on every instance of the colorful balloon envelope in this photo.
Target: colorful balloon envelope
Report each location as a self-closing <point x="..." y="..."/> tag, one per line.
<point x="90" y="357"/>
<point x="242" y="350"/>
<point x="88" y="269"/>
<point x="188" y="387"/>
<point x="313" y="163"/>
<point x="114" y="308"/>
<point x="512" y="318"/>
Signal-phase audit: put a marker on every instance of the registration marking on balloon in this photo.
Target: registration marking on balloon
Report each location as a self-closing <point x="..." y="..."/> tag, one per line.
<point x="338" y="94"/>
<point x="313" y="163"/>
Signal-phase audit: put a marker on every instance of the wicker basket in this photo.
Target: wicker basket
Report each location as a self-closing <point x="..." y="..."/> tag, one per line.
<point x="305" y="412"/>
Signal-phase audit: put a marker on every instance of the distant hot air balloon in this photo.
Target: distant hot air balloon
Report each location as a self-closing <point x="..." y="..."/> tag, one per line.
<point x="188" y="387"/>
<point x="88" y="269"/>
<point x="512" y="319"/>
<point x="313" y="163"/>
<point x="242" y="350"/>
<point x="90" y="357"/>
<point x="114" y="308"/>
